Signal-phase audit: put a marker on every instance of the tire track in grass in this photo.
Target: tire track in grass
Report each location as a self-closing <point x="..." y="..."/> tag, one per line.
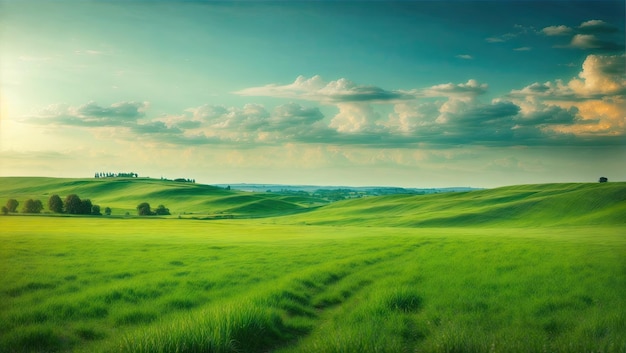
<point x="269" y="318"/>
<point x="367" y="272"/>
<point x="372" y="298"/>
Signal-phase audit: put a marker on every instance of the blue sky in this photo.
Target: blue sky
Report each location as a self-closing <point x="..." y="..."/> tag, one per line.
<point x="411" y="93"/>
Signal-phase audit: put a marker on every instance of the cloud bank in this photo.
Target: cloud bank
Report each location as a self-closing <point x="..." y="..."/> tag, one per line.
<point x="587" y="109"/>
<point x="316" y="89"/>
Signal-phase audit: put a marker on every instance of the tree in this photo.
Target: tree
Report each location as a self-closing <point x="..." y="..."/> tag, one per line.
<point x="107" y="211"/>
<point x="5" y="210"/>
<point x="143" y="209"/>
<point x="603" y="179"/>
<point x="85" y="206"/>
<point x="32" y="206"/>
<point x="95" y="210"/>
<point x="12" y="205"/>
<point x="73" y="204"/>
<point x="162" y="211"/>
<point x="55" y="204"/>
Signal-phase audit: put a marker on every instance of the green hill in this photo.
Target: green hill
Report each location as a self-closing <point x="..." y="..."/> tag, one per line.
<point x="124" y="194"/>
<point x="522" y="205"/>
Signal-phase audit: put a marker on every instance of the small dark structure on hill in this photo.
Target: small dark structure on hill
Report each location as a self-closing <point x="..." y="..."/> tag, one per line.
<point x="603" y="179"/>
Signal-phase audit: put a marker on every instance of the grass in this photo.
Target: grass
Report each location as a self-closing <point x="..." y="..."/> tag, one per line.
<point x="131" y="285"/>
<point x="364" y="275"/>
<point x="514" y="206"/>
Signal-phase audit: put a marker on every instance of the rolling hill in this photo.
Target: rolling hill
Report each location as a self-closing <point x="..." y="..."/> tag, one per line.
<point x="124" y="194"/>
<point x="517" y="206"/>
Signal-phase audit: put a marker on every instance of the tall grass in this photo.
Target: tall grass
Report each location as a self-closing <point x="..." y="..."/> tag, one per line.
<point x="168" y="285"/>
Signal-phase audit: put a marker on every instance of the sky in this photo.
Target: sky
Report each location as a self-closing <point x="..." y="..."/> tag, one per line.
<point x="357" y="93"/>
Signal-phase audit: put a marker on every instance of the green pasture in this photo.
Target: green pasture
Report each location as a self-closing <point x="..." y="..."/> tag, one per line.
<point x="513" y="206"/>
<point x="97" y="284"/>
<point x="528" y="268"/>
<point x="123" y="195"/>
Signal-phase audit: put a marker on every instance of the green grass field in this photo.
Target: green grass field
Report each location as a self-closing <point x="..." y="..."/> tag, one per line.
<point x="517" y="269"/>
<point x="124" y="194"/>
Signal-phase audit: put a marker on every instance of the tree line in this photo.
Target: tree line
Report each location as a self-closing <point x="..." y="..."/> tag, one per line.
<point x="143" y="209"/>
<point x="116" y="175"/>
<point x="71" y="205"/>
<point x="74" y="205"/>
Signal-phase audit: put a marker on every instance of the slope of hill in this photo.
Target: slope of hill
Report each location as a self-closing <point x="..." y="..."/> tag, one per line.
<point x="124" y="194"/>
<point x="522" y="205"/>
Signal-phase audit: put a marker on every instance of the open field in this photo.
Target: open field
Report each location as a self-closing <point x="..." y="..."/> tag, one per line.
<point x="333" y="279"/>
<point x="84" y="284"/>
<point x="124" y="194"/>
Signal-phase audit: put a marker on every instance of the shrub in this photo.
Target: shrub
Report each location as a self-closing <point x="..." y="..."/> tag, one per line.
<point x="162" y="210"/>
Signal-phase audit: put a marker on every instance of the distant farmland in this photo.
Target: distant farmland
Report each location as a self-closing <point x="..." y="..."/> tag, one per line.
<point x="518" y="269"/>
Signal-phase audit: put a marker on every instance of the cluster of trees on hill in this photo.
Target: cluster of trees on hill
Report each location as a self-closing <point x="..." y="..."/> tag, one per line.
<point x="143" y="209"/>
<point x="116" y="175"/>
<point x="71" y="205"/>
<point x="180" y="180"/>
<point x="74" y="205"/>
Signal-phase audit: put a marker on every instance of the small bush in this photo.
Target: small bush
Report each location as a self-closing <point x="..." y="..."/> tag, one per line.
<point x="162" y="211"/>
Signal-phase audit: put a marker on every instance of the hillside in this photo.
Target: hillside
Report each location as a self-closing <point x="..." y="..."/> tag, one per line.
<point x="124" y="194"/>
<point x="512" y="206"/>
<point x="522" y="205"/>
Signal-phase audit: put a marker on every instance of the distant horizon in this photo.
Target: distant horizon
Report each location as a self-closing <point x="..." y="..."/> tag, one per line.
<point x="405" y="93"/>
<point x="222" y="184"/>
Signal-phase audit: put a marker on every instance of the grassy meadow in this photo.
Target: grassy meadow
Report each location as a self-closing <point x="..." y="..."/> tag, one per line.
<point x="460" y="272"/>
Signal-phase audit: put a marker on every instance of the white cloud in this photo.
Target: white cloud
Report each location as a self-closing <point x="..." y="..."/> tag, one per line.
<point x="600" y="76"/>
<point x="90" y="114"/>
<point x="316" y="89"/>
<point x="596" y="98"/>
<point x="596" y="26"/>
<point x="465" y="56"/>
<point x="557" y="30"/>
<point x="586" y="41"/>
<point x="469" y="89"/>
<point x="354" y="117"/>
<point x="585" y="36"/>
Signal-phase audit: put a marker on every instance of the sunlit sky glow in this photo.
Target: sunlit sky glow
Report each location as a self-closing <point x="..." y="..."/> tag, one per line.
<point x="416" y="94"/>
